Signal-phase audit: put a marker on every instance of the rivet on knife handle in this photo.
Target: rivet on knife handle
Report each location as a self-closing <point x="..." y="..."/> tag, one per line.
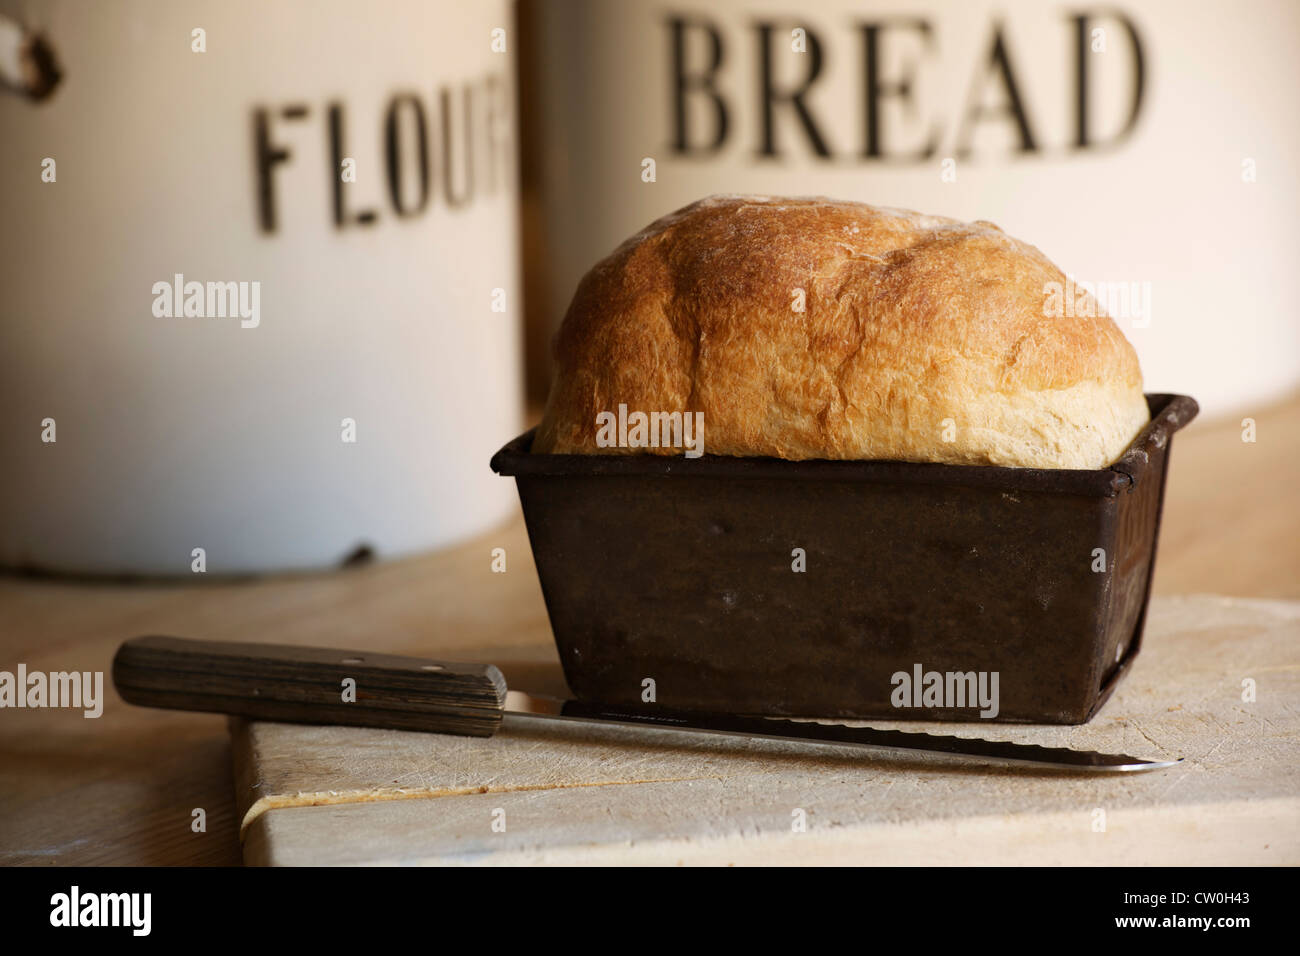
<point x="306" y="685"/>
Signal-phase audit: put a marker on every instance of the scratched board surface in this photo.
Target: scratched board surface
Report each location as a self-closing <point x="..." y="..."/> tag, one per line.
<point x="570" y="793"/>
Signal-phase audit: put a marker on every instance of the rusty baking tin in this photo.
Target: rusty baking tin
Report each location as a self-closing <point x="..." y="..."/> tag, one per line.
<point x="680" y="570"/>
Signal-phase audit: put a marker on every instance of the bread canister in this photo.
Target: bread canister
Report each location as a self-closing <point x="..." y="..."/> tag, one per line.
<point x="1096" y="130"/>
<point x="259" y="281"/>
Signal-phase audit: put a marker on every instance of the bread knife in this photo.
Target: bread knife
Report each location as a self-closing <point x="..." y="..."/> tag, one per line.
<point x="359" y="688"/>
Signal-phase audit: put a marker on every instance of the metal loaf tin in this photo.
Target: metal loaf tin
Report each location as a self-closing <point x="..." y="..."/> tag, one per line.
<point x="680" y="570"/>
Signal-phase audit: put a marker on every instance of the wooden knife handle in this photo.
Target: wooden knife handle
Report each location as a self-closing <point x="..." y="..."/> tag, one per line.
<point x="307" y="685"/>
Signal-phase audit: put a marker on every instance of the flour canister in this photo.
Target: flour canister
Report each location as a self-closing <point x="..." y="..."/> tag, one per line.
<point x="1148" y="146"/>
<point x="258" y="277"/>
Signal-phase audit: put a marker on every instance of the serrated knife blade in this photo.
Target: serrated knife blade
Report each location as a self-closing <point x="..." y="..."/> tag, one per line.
<point x="520" y="704"/>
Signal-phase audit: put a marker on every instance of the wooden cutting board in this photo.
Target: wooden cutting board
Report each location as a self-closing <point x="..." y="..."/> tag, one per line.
<point x="576" y="794"/>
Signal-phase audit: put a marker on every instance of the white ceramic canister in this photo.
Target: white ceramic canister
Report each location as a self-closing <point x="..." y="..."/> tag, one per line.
<point x="1146" y="146"/>
<point x="258" y="283"/>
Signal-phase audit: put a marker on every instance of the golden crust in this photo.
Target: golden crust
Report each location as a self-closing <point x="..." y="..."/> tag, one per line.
<point x="921" y="339"/>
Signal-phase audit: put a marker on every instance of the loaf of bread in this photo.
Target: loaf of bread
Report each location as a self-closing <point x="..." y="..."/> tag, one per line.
<point x="812" y="328"/>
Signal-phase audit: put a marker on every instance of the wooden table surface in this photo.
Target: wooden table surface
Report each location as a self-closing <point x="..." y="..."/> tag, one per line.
<point x="122" y="789"/>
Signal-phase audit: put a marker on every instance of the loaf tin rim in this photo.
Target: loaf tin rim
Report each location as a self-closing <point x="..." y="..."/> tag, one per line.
<point x="1169" y="413"/>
